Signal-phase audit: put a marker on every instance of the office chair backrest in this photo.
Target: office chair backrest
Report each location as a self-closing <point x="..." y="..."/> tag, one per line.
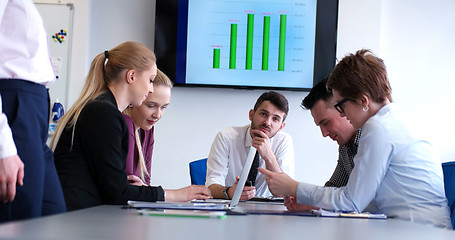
<point x="198" y="171"/>
<point x="448" y="169"/>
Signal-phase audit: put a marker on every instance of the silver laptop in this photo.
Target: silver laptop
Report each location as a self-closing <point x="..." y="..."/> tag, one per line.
<point x="243" y="176"/>
<point x="208" y="204"/>
<point x="232" y="205"/>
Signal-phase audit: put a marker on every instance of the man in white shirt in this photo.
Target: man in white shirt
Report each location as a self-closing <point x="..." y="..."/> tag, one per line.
<point x="25" y="70"/>
<point x="231" y="146"/>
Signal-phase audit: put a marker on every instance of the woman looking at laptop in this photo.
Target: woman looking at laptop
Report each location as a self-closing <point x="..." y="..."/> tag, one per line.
<point x="141" y="125"/>
<point x="91" y="142"/>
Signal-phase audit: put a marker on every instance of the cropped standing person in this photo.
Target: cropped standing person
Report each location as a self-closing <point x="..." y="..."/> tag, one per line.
<point x="25" y="159"/>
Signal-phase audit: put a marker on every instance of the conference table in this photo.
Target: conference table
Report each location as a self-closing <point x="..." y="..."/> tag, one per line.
<point x="117" y="222"/>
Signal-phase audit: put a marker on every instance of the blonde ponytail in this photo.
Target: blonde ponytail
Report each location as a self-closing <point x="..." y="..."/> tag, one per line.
<point x="93" y="87"/>
<point x="128" y="55"/>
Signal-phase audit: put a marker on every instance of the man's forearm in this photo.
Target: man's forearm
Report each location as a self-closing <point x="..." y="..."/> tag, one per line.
<point x="217" y="190"/>
<point x="272" y="164"/>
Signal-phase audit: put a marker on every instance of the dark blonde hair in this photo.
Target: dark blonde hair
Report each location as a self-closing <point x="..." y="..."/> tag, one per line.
<point x="160" y="79"/>
<point x="361" y="73"/>
<point x="128" y="55"/>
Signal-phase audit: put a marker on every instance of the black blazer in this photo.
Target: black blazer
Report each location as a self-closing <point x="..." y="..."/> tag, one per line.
<point x="92" y="168"/>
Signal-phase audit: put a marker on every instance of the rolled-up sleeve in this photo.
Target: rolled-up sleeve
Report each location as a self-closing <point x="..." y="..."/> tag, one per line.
<point x="7" y="146"/>
<point x="285" y="154"/>
<point x="371" y="164"/>
<point x="217" y="162"/>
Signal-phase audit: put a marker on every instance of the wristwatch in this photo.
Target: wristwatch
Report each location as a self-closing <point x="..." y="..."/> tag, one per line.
<point x="225" y="193"/>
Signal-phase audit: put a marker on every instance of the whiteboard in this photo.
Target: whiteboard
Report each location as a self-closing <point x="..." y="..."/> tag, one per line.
<point x="58" y="22"/>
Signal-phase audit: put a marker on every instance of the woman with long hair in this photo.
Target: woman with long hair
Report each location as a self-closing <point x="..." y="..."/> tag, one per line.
<point x="91" y="142"/>
<point x="141" y="125"/>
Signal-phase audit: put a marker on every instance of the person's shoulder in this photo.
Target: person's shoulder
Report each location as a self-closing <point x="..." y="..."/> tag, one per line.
<point x="101" y="107"/>
<point x="233" y="131"/>
<point x="130" y="123"/>
<point x="382" y="120"/>
<point x="100" y="111"/>
<point x="283" y="135"/>
<point x="282" y="139"/>
<point x="129" y="120"/>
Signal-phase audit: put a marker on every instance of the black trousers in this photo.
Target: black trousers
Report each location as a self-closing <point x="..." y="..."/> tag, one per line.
<point x="27" y="106"/>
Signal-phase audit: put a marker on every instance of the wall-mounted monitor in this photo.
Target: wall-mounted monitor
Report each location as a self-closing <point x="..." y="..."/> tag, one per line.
<point x="267" y="44"/>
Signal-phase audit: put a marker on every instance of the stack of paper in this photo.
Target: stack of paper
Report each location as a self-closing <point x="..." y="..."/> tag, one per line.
<point x="183" y="213"/>
<point x="328" y="213"/>
<point x="181" y="206"/>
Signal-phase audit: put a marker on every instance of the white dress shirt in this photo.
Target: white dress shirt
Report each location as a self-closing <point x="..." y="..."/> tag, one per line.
<point x="7" y="146"/>
<point x="24" y="55"/>
<point x="400" y="173"/>
<point x="230" y="149"/>
<point x="23" y="43"/>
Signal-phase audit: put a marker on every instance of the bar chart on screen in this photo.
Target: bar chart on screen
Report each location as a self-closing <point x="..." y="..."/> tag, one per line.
<point x="233" y="37"/>
<point x="248" y="40"/>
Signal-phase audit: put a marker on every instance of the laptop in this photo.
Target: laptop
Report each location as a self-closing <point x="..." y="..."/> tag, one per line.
<point x="209" y="204"/>
<point x="231" y="207"/>
<point x="243" y="176"/>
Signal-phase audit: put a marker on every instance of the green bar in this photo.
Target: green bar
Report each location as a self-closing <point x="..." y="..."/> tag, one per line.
<point x="216" y="58"/>
<point x="265" y="43"/>
<point x="249" y="42"/>
<point x="233" y="47"/>
<point x="282" y="42"/>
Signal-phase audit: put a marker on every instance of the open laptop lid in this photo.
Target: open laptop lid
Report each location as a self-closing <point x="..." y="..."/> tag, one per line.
<point x="243" y="176"/>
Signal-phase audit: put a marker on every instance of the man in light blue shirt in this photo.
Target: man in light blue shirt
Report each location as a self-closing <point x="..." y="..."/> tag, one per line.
<point x="398" y="173"/>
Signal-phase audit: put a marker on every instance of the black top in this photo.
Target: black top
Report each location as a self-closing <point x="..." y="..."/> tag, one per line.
<point x="92" y="170"/>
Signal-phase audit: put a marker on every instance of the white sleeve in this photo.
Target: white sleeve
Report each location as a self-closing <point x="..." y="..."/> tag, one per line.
<point x="371" y="164"/>
<point x="285" y="155"/>
<point x="217" y="162"/>
<point x="7" y="146"/>
<point x="2" y="10"/>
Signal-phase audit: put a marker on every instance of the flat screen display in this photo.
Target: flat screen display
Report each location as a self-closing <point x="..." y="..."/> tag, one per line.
<point x="268" y="44"/>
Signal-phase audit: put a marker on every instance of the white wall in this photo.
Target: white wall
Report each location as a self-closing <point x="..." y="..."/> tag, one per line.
<point x="79" y="45"/>
<point x="419" y="48"/>
<point x="414" y="37"/>
<point x="116" y="21"/>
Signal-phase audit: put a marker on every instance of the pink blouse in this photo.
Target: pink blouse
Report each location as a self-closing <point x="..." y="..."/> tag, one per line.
<point x="132" y="160"/>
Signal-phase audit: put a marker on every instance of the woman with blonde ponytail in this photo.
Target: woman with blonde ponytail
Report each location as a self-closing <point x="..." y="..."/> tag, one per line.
<point x="91" y="142"/>
<point x="141" y="121"/>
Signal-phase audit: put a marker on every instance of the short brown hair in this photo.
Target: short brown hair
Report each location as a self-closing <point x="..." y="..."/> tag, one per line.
<point x="361" y="73"/>
<point x="277" y="99"/>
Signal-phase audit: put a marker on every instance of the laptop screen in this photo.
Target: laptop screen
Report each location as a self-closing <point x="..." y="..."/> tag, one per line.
<point x="243" y="176"/>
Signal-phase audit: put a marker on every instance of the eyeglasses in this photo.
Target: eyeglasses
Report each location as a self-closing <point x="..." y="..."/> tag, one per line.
<point x="339" y="105"/>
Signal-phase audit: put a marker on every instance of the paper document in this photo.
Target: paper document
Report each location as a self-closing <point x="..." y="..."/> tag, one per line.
<point x="212" y="200"/>
<point x="174" y="205"/>
<point x="183" y="213"/>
